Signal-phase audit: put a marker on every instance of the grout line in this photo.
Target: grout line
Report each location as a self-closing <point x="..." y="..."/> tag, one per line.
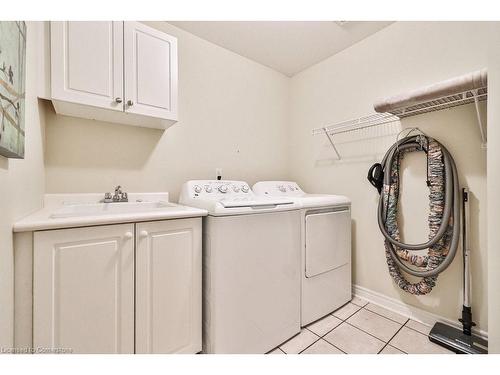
<point x="349" y="315"/>
<point x="366" y="304"/>
<point x="352" y="325"/>
<point x="336" y="347"/>
<point x="333" y="344"/>
<point x="392" y="346"/>
<point x="338" y="325"/>
<point x="308" y="346"/>
<point x="387" y="343"/>
<point x="272" y="350"/>
<point x="314" y="342"/>
<point x="413" y="329"/>
<point x="322" y="337"/>
<point x="345" y="321"/>
<point x="383" y="316"/>
<point x="301" y="330"/>
<point x="368" y="333"/>
<point x="312" y="332"/>
<point x="328" y="342"/>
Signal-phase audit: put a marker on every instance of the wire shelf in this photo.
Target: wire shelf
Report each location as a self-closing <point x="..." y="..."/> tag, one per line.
<point x="375" y="119"/>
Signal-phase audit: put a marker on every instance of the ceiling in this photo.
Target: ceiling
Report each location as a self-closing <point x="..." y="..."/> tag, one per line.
<point x="286" y="46"/>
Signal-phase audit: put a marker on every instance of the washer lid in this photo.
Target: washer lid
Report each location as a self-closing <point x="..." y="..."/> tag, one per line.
<point x="260" y="202"/>
<point x="228" y="197"/>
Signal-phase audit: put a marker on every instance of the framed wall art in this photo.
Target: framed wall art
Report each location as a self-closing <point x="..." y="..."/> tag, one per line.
<point x="12" y="88"/>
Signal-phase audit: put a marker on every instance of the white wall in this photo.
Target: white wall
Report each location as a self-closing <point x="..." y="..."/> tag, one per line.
<point x="493" y="196"/>
<point x="254" y="123"/>
<point x="22" y="183"/>
<point x="402" y="56"/>
<point x="233" y="115"/>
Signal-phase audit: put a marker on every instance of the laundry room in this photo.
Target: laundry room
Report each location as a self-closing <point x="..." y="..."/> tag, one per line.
<point x="174" y="184"/>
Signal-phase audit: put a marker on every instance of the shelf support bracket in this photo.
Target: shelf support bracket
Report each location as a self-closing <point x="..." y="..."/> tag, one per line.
<point x="479" y="121"/>
<point x="330" y="138"/>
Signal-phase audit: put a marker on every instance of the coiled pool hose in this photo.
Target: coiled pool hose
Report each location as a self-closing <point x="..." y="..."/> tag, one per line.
<point x="444" y="215"/>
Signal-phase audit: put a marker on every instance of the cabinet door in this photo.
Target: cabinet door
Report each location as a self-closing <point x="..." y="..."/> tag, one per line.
<point x="168" y="286"/>
<point x="83" y="289"/>
<point x="87" y="63"/>
<point x="150" y="71"/>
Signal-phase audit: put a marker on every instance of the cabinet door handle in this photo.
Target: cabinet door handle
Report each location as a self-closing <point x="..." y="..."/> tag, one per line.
<point x="130" y="103"/>
<point x="128" y="235"/>
<point x="118" y="100"/>
<point x="143" y="233"/>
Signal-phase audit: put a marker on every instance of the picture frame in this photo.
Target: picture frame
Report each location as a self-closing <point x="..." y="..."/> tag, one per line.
<point x="12" y="88"/>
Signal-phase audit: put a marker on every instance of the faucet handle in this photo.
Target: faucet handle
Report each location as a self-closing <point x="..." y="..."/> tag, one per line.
<point x="124" y="197"/>
<point x="108" y="198"/>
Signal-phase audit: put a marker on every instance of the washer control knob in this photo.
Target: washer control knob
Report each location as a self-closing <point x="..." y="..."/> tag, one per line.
<point x="223" y="188"/>
<point x="208" y="188"/>
<point x="236" y="188"/>
<point x="197" y="189"/>
<point x="282" y="189"/>
<point x="244" y="188"/>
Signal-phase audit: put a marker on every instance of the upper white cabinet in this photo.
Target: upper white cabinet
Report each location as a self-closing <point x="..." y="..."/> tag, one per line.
<point x="123" y="72"/>
<point x="87" y="63"/>
<point x="150" y="71"/>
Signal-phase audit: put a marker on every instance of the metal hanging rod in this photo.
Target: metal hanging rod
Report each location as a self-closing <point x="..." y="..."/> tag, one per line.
<point x="375" y="119"/>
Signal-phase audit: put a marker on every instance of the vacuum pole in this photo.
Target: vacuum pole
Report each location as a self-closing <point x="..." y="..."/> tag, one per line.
<point x="466" y="320"/>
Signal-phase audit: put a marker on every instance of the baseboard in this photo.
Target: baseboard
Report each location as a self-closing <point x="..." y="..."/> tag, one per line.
<point x="412" y="312"/>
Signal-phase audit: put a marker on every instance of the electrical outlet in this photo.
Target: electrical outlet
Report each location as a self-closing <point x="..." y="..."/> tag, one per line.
<point x="218" y="173"/>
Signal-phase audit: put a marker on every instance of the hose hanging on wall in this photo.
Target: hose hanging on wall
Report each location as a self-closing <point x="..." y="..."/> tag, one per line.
<point x="444" y="215"/>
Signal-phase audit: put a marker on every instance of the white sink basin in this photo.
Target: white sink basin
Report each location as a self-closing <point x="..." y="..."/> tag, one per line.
<point x="98" y="209"/>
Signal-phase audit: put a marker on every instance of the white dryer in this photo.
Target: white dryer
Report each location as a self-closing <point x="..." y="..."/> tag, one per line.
<point x="325" y="246"/>
<point x="251" y="267"/>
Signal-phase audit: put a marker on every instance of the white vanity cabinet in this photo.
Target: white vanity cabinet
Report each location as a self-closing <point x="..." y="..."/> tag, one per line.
<point x="168" y="287"/>
<point x="120" y="288"/>
<point x="83" y="289"/>
<point x="123" y="72"/>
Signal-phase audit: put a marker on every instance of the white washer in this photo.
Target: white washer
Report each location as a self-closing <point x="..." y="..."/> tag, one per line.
<point x="251" y="267"/>
<point x="325" y="247"/>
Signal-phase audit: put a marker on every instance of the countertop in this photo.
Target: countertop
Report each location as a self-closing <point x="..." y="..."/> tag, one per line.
<point x="43" y="220"/>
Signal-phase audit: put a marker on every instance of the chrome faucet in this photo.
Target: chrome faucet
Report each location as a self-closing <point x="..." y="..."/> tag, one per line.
<point x="120" y="196"/>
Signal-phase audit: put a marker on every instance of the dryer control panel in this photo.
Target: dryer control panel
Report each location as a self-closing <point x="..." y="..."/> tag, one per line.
<point x="277" y="188"/>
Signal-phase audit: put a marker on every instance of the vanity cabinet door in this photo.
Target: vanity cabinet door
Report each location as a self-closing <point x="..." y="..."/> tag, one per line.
<point x="168" y="286"/>
<point x="87" y="63"/>
<point x="83" y="289"/>
<point x="150" y="58"/>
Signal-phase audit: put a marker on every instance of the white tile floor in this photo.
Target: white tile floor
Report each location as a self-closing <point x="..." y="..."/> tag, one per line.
<point x="360" y="327"/>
